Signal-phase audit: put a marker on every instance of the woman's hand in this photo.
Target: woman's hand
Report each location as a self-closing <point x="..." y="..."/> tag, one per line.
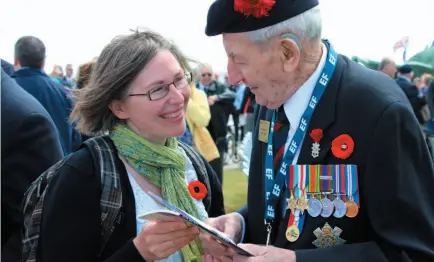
<point x="159" y="240"/>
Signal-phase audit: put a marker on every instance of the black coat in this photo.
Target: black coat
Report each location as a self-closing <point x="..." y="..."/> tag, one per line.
<point x="30" y="145"/>
<point x="396" y="177"/>
<point x="412" y="92"/>
<point x="72" y="207"/>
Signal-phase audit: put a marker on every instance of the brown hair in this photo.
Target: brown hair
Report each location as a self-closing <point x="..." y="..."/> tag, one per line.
<point x="84" y="73"/>
<point x="117" y="66"/>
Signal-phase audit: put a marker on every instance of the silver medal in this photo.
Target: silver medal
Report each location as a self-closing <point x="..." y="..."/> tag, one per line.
<point x="340" y="208"/>
<point x="315" y="207"/>
<point x="327" y="207"/>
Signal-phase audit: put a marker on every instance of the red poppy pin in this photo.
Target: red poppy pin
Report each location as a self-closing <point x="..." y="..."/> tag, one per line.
<point x="316" y="135"/>
<point x="197" y="189"/>
<point x="343" y="146"/>
<point x="256" y="8"/>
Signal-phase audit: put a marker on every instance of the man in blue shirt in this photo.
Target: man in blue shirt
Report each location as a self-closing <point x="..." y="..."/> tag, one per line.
<point x="29" y="61"/>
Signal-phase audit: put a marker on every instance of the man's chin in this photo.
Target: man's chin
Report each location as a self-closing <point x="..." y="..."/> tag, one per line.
<point x="269" y="104"/>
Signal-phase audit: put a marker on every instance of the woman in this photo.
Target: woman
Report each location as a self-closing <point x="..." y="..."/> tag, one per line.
<point x="138" y="93"/>
<point x="57" y="74"/>
<point x="196" y="134"/>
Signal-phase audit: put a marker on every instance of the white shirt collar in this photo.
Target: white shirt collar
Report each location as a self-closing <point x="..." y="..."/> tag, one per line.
<point x="294" y="107"/>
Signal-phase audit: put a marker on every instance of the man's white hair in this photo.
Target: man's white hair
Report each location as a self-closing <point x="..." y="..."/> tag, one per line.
<point x="306" y="26"/>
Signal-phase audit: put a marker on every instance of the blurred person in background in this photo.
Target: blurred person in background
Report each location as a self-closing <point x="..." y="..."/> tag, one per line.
<point x="29" y="63"/>
<point x="196" y="134"/>
<point x="388" y="66"/>
<point x="68" y="79"/>
<point x="413" y="92"/>
<point x="57" y="74"/>
<point x="29" y="145"/>
<point x="220" y="100"/>
<point x="138" y="94"/>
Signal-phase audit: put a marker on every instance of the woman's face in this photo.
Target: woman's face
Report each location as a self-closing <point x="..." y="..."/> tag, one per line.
<point x="161" y="118"/>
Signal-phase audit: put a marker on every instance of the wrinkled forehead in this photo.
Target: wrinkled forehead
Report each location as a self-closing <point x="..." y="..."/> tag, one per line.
<point x="237" y="44"/>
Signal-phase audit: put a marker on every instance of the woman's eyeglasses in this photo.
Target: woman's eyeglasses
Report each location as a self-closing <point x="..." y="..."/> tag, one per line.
<point x="158" y="93"/>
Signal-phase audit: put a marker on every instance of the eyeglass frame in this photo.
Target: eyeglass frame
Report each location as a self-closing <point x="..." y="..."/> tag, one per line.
<point x="187" y="75"/>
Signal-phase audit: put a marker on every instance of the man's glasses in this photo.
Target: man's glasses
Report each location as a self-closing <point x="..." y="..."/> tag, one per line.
<point x="158" y="93"/>
<point x="206" y="74"/>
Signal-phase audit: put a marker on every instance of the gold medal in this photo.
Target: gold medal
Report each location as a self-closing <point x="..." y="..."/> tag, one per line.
<point x="352" y="209"/>
<point x="292" y="233"/>
<point x="302" y="203"/>
<point x="292" y="203"/>
<point x="264" y="129"/>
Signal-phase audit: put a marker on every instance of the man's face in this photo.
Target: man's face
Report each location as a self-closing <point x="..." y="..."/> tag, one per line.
<point x="390" y="69"/>
<point x="69" y="71"/>
<point x="259" y="67"/>
<point x="206" y="75"/>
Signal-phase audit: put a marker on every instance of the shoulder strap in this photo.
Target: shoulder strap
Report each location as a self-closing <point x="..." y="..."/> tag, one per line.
<point x="199" y="166"/>
<point x="104" y="155"/>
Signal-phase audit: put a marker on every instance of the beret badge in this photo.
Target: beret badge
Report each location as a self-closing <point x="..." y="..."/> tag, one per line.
<point x="256" y="8"/>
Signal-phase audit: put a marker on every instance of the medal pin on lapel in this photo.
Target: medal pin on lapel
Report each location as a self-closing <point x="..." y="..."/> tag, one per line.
<point x="316" y="135"/>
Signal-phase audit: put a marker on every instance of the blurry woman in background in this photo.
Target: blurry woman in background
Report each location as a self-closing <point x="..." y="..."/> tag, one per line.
<point x="196" y="134"/>
<point x="57" y="74"/>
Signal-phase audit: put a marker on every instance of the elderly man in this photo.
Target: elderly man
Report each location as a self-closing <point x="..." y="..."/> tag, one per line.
<point x="340" y="170"/>
<point x="388" y="66"/>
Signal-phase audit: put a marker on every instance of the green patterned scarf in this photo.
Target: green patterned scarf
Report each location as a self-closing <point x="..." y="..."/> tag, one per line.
<point x="164" y="167"/>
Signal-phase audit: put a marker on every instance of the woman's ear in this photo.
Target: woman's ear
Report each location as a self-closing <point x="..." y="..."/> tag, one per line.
<point x="118" y="109"/>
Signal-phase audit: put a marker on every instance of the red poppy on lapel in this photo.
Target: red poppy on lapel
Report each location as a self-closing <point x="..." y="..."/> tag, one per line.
<point x="197" y="190"/>
<point x="256" y="8"/>
<point x="343" y="146"/>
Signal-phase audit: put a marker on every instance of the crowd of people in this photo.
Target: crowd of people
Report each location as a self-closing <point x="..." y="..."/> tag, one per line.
<point x="340" y="168"/>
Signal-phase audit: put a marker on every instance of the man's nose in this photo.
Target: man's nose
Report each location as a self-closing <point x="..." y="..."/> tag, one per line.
<point x="234" y="74"/>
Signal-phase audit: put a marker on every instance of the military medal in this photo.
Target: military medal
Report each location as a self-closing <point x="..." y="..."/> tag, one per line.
<point x="351" y="186"/>
<point x="316" y="135"/>
<point x="292" y="203"/>
<point x="302" y="203"/>
<point x="352" y="209"/>
<point x="328" y="236"/>
<point x="327" y="207"/>
<point x="340" y="207"/>
<point x="292" y="233"/>
<point x="301" y="172"/>
<point x="326" y="180"/>
<point x="315" y="207"/>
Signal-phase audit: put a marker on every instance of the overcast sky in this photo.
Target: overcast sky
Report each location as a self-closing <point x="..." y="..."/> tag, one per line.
<point x="76" y="31"/>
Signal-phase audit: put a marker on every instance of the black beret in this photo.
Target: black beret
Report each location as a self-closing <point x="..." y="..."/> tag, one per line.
<point x="405" y="69"/>
<point x="252" y="14"/>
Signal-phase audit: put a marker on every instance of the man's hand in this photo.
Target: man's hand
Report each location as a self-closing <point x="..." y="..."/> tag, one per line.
<point x="265" y="254"/>
<point x="229" y="224"/>
<point x="212" y="100"/>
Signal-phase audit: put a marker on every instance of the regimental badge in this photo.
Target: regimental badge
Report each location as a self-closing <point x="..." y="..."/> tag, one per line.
<point x="328" y="237"/>
<point x="316" y="135"/>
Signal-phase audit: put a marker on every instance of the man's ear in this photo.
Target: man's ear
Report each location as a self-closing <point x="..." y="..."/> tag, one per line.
<point x="118" y="109"/>
<point x="290" y="52"/>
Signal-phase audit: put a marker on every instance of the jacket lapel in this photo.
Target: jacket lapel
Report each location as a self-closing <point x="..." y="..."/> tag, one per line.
<point x="323" y="118"/>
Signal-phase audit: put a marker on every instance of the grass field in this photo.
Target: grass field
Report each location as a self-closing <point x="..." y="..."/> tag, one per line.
<point x="234" y="189"/>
